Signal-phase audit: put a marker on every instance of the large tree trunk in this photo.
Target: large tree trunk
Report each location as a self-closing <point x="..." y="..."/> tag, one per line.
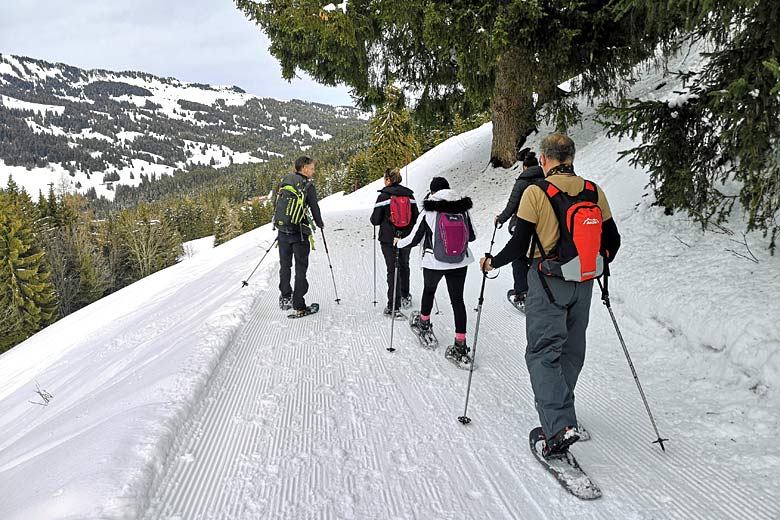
<point x="512" y="109"/>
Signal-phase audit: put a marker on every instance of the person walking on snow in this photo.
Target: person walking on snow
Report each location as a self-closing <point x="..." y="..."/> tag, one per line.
<point x="560" y="281"/>
<point x="531" y="173"/>
<point x="445" y="229"/>
<point x="294" y="199"/>
<point x="395" y="212"/>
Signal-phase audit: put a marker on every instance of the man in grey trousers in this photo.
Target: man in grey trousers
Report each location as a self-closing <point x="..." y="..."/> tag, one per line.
<point x="557" y="308"/>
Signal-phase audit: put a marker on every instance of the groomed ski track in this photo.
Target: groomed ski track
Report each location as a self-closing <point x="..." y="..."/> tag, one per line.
<point x="314" y="419"/>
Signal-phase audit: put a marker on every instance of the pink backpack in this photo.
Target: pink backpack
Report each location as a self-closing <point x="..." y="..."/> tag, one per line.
<point x="451" y="237"/>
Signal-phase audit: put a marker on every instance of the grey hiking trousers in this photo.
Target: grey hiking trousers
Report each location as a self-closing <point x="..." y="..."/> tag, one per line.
<point x="556" y="346"/>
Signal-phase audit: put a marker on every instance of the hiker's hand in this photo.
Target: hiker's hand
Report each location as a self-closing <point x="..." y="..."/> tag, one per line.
<point x="484" y="265"/>
<point x="495" y="221"/>
<point x="395" y="241"/>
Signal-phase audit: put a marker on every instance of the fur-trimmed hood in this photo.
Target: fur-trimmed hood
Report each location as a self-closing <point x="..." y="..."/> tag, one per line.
<point x="448" y="201"/>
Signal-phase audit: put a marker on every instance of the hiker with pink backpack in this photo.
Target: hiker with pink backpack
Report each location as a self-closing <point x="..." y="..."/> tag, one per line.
<point x="395" y="212"/>
<point x="444" y="228"/>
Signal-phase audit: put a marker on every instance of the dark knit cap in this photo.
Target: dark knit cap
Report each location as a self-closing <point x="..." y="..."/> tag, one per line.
<point x="439" y="183"/>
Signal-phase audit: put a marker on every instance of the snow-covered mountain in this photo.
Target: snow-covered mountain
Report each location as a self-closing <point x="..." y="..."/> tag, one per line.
<point x="98" y="128"/>
<point x="185" y="395"/>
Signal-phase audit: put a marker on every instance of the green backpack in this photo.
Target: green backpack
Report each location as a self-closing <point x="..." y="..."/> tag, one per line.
<point x="290" y="207"/>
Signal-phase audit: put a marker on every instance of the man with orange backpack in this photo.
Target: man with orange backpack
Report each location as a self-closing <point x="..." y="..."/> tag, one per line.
<point x="395" y="212"/>
<point x="566" y="224"/>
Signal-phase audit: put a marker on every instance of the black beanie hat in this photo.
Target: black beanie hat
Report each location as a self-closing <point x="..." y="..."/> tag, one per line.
<point x="439" y="183"/>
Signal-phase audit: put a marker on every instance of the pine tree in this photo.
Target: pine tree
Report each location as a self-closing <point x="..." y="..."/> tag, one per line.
<point x="466" y="57"/>
<point x="392" y="135"/>
<point x="150" y="241"/>
<point x="357" y="174"/>
<point x="27" y="296"/>
<point x="724" y="127"/>
<point x="227" y="225"/>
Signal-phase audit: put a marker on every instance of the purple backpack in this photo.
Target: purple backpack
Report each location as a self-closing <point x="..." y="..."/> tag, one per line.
<point x="451" y="237"/>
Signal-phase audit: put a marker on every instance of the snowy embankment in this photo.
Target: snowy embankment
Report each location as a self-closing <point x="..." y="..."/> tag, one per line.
<point x="334" y="426"/>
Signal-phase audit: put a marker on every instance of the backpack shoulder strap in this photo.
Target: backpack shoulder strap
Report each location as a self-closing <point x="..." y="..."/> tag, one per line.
<point x="589" y="192"/>
<point x="548" y="188"/>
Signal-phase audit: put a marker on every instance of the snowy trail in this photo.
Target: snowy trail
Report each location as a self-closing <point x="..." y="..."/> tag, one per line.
<point x="313" y="418"/>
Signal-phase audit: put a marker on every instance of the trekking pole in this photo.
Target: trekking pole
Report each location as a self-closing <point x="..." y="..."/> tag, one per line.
<point x="244" y="283"/>
<point x="333" y="277"/>
<point x="374" y="266"/>
<point x="464" y="419"/>
<point x="437" y="305"/>
<point x="605" y="299"/>
<point x="395" y="291"/>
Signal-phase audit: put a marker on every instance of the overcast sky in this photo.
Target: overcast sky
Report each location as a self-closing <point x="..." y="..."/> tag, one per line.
<point x="203" y="41"/>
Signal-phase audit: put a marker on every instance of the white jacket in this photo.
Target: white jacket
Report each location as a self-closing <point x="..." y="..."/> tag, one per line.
<point x="448" y="201"/>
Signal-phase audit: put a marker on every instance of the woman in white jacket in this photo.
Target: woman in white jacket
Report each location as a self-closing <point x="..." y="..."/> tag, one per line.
<point x="444" y="228"/>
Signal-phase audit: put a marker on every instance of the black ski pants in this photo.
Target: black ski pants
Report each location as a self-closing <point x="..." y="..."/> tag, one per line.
<point x="388" y="252"/>
<point x="294" y="246"/>
<point x="456" y="282"/>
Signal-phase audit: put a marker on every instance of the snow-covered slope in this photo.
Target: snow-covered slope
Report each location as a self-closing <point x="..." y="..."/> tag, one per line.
<point x="187" y="396"/>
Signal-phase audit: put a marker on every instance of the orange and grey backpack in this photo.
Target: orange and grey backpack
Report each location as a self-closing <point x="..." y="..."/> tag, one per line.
<point x="577" y="255"/>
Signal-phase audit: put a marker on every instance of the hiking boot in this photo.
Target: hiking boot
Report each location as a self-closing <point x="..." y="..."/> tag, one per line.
<point x="458" y="353"/>
<point x="559" y="443"/>
<point x="285" y="303"/>
<point x="419" y="323"/>
<point x="388" y="312"/>
<point x="406" y="302"/>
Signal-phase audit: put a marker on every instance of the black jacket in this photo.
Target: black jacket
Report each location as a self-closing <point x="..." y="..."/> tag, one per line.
<point x="294" y="179"/>
<point x="381" y="215"/>
<point x="525" y="179"/>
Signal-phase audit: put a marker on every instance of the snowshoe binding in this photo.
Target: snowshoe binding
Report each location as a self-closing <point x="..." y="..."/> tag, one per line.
<point x="423" y="329"/>
<point x="396" y="314"/>
<point x="458" y="355"/>
<point x="308" y="311"/>
<point x="560" y="442"/>
<point x="583" y="433"/>
<point x="285" y="303"/>
<point x="517" y="300"/>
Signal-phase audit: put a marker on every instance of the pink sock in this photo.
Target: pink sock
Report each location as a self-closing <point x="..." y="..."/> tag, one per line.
<point x="460" y="336"/>
<point x="424" y="317"/>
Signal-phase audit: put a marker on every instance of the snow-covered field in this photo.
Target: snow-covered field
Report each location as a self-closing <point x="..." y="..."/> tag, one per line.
<point x="187" y="396"/>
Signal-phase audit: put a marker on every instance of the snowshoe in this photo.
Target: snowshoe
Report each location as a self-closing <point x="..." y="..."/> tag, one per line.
<point x="285" y="303"/>
<point x="397" y="314"/>
<point x="517" y="301"/>
<point x="406" y="302"/>
<point x="458" y="355"/>
<point x="564" y="468"/>
<point x="308" y="311"/>
<point x="423" y="330"/>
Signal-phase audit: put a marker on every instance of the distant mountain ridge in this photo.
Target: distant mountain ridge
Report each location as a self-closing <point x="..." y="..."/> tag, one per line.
<point x="95" y="128"/>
